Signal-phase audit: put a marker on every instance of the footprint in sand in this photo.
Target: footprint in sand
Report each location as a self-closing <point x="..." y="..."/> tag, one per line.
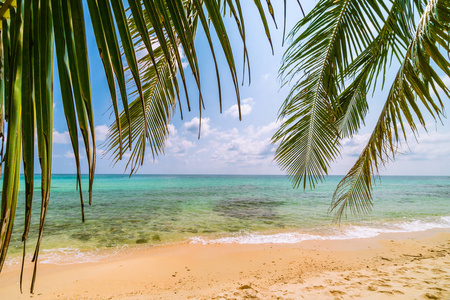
<point x="431" y="296"/>
<point x="386" y="292"/>
<point x="318" y="287"/>
<point x="337" y="292"/>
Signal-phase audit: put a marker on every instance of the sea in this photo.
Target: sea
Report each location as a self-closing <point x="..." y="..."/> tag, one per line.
<point x="155" y="210"/>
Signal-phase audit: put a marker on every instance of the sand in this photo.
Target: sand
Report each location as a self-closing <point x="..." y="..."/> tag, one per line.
<point x="390" y="266"/>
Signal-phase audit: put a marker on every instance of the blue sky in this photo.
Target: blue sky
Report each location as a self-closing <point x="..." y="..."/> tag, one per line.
<point x="230" y="146"/>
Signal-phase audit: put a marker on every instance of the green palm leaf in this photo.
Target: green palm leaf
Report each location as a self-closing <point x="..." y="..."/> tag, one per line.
<point x="11" y="173"/>
<point x="171" y="25"/>
<point x="43" y="69"/>
<point x="392" y="40"/>
<point x="416" y="81"/>
<point x="308" y="136"/>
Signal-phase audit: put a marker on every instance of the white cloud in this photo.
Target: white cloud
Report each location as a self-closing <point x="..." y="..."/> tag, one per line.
<point x="430" y="146"/>
<point x="172" y="129"/>
<point x="69" y="154"/>
<point x="201" y="151"/>
<point x="64" y="137"/>
<point x="177" y="145"/>
<point x="184" y="62"/>
<point x="251" y="147"/>
<point x="246" y="108"/>
<point x="61" y="137"/>
<point x="354" y="146"/>
<point x="180" y="146"/>
<point x="101" y="132"/>
<point x="193" y="126"/>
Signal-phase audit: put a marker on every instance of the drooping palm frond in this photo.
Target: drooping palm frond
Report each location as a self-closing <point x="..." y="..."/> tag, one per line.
<point x="12" y="48"/>
<point x="159" y="96"/>
<point x="336" y="31"/>
<point x="417" y="82"/>
<point x="392" y="41"/>
<point x="162" y="40"/>
<point x="28" y="40"/>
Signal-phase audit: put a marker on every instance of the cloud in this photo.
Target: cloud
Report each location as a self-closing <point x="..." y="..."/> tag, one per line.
<point x="354" y="146"/>
<point x="184" y="62"/>
<point x="61" y="137"/>
<point x="430" y="146"/>
<point x="64" y="137"/>
<point x="180" y="146"/>
<point x="246" y="108"/>
<point x="201" y="151"/>
<point x="69" y="154"/>
<point x="250" y="147"/>
<point x="193" y="125"/>
<point x="177" y="145"/>
<point x="101" y="131"/>
<point x="172" y="129"/>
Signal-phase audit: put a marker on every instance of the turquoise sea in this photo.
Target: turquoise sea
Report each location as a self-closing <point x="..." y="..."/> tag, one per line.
<point x="152" y="210"/>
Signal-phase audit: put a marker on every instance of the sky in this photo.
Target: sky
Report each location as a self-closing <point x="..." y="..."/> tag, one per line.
<point x="230" y="146"/>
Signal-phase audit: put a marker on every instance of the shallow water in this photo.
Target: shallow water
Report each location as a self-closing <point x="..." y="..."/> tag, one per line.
<point x="160" y="209"/>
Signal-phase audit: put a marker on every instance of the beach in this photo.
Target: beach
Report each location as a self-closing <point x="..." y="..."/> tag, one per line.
<point x="234" y="237"/>
<point x="413" y="265"/>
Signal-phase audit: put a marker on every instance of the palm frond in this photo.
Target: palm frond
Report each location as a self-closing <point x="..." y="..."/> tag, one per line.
<point x="335" y="32"/>
<point x="162" y="27"/>
<point x="416" y="82"/>
<point x="392" y="41"/>
<point x="12" y="43"/>
<point x="159" y="94"/>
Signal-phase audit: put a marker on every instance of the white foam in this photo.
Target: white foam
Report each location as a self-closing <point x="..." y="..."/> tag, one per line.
<point x="66" y="256"/>
<point x="346" y="232"/>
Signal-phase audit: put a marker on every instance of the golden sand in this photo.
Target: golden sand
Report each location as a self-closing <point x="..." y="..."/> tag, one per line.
<point x="390" y="266"/>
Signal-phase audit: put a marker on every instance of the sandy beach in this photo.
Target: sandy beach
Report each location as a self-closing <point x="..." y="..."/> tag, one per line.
<point x="389" y="266"/>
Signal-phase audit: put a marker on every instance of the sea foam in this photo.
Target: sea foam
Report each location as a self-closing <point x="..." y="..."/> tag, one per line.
<point x="66" y="256"/>
<point x="336" y="233"/>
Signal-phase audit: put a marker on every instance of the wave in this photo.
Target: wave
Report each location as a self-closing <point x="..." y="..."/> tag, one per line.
<point x="339" y="233"/>
<point x="66" y="256"/>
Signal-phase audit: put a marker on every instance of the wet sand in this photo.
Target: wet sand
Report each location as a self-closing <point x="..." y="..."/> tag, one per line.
<point x="389" y="266"/>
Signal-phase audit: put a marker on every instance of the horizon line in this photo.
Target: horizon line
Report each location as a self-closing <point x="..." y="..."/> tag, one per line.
<point x="228" y="174"/>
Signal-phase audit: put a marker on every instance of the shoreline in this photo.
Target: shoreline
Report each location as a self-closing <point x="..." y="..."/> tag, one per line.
<point x="76" y="254"/>
<point x="412" y="265"/>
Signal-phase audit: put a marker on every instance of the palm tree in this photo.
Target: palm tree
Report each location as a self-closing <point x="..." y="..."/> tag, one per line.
<point x="337" y="53"/>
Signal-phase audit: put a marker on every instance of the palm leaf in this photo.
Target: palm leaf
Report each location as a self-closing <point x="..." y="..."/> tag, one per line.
<point x="159" y="107"/>
<point x="171" y="25"/>
<point x="28" y="138"/>
<point x="79" y="37"/>
<point x="416" y="81"/>
<point x="11" y="173"/>
<point x="104" y="55"/>
<point x="392" y="40"/>
<point x="66" y="90"/>
<point x="44" y="111"/>
<point x="308" y="137"/>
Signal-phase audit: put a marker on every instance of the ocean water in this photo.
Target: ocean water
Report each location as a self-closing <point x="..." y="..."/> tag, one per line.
<point x="152" y="210"/>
